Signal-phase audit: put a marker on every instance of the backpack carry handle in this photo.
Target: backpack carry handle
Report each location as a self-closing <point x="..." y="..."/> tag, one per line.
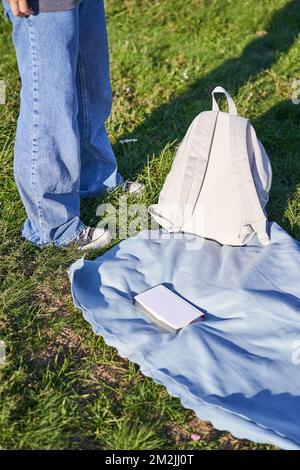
<point x="231" y="105"/>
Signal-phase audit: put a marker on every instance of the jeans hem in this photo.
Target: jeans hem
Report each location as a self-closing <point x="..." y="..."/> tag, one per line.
<point x="72" y="237"/>
<point x="35" y="237"/>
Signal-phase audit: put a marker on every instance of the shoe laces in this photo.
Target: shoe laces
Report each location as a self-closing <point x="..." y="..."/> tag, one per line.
<point x="86" y="234"/>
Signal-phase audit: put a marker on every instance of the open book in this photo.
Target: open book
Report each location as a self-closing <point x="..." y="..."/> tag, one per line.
<point x="167" y="308"/>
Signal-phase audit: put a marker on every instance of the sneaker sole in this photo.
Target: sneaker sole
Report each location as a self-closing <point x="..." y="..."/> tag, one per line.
<point x="100" y="242"/>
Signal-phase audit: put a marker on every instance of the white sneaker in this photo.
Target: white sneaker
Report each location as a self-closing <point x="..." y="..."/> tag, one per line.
<point x="133" y="187"/>
<point x="93" y="239"/>
<point x="128" y="186"/>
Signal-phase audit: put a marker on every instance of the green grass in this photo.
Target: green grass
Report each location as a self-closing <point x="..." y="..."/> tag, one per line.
<point x="62" y="387"/>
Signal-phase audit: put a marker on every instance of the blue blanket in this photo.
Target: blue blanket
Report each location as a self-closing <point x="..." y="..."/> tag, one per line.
<point x="240" y="368"/>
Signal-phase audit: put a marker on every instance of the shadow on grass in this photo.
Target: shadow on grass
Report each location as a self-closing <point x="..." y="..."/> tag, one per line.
<point x="279" y="130"/>
<point x="170" y="121"/>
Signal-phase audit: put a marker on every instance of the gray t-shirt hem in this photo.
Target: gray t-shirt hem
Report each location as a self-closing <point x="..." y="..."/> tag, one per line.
<point x="53" y="5"/>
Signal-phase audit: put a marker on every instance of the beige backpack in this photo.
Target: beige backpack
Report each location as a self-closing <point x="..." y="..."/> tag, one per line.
<point x="219" y="182"/>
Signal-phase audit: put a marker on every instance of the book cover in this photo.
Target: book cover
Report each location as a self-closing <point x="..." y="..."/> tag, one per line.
<point x="167" y="308"/>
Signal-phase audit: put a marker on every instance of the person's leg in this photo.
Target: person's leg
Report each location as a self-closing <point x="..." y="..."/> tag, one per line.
<point x="98" y="162"/>
<point x="47" y="154"/>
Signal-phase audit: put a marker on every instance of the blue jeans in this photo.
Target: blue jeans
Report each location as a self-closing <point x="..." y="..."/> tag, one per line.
<point x="62" y="150"/>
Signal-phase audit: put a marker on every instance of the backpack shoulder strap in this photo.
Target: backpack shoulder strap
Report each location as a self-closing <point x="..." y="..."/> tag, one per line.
<point x="255" y="214"/>
<point x="199" y="153"/>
